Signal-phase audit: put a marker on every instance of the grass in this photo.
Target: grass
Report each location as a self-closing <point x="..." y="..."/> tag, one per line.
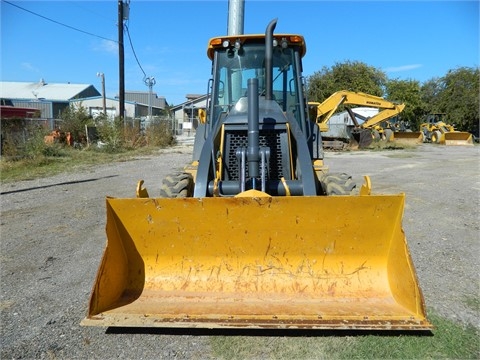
<point x="450" y="340"/>
<point x="63" y="161"/>
<point x="391" y="145"/>
<point x="473" y="303"/>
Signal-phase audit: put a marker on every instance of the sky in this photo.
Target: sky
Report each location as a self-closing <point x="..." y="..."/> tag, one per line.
<point x="72" y="41"/>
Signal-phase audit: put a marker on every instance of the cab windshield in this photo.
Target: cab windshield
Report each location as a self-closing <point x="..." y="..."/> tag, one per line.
<point x="235" y="66"/>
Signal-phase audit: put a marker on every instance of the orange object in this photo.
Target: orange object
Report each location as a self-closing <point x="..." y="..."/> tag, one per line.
<point x="69" y="139"/>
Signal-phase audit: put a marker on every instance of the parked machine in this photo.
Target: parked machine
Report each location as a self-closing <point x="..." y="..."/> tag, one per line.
<point x="252" y="234"/>
<point x="436" y="130"/>
<point x="362" y="134"/>
<point x="403" y="133"/>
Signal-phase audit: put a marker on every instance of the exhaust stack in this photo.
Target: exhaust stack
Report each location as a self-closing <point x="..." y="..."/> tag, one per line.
<point x="269" y="59"/>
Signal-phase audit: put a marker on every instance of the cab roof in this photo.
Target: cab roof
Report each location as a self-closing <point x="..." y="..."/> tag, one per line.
<point x="291" y="39"/>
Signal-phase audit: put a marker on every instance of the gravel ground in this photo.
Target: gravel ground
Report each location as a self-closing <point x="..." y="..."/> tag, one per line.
<point x="52" y="239"/>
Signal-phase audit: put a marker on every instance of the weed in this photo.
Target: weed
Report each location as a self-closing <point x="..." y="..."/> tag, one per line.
<point x="472" y="302"/>
<point x="28" y="153"/>
<point x="450" y="340"/>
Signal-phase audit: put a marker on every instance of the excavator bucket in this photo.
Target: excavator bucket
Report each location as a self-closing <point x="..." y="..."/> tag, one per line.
<point x="457" y="138"/>
<point x="336" y="262"/>
<point x="415" y="137"/>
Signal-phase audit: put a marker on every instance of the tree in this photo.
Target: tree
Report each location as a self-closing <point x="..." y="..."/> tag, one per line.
<point x="429" y="93"/>
<point x="459" y="98"/>
<point x="74" y="120"/>
<point x="456" y="94"/>
<point x="409" y="93"/>
<point x="352" y="76"/>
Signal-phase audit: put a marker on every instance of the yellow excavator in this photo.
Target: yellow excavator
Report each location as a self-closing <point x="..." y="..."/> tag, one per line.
<point x="371" y="128"/>
<point x="435" y="130"/>
<point x="256" y="233"/>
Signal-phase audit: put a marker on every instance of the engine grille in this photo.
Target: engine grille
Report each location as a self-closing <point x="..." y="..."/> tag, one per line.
<point x="271" y="138"/>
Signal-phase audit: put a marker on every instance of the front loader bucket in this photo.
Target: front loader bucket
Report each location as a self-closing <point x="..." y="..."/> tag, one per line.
<point x="415" y="137"/>
<point x="275" y="262"/>
<point x="458" y="138"/>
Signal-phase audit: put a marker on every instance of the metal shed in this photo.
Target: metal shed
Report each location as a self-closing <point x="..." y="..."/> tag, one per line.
<point x="51" y="99"/>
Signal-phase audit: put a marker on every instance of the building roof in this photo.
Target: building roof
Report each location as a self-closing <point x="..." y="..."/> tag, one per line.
<point x="192" y="99"/>
<point x="142" y="97"/>
<point x="95" y="98"/>
<point x="193" y="96"/>
<point x="43" y="90"/>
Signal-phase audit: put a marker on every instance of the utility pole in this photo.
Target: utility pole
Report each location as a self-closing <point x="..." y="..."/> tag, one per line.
<point x="102" y="75"/>
<point x="236" y="10"/>
<point x="121" y="62"/>
<point x="149" y="81"/>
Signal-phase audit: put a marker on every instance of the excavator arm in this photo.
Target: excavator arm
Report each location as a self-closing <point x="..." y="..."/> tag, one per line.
<point x="323" y="111"/>
<point x="383" y="115"/>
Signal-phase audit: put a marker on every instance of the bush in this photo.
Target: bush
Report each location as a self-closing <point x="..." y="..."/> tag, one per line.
<point x="133" y="135"/>
<point x="159" y="133"/>
<point x="126" y="135"/>
<point x="14" y="134"/>
<point x="109" y="134"/>
<point x="36" y="147"/>
<point x="28" y="142"/>
<point x="23" y="141"/>
<point x="74" y="120"/>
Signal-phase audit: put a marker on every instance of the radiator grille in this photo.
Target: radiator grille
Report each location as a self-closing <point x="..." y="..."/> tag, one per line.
<point x="271" y="138"/>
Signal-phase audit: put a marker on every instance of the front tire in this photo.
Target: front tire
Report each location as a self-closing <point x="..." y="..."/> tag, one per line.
<point x="388" y="133"/>
<point x="436" y="136"/>
<point x="337" y="184"/>
<point x="177" y="185"/>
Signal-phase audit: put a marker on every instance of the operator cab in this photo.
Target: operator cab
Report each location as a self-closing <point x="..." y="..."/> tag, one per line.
<point x="239" y="58"/>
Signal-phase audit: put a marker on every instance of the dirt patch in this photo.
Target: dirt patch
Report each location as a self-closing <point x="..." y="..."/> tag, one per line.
<point x="52" y="239"/>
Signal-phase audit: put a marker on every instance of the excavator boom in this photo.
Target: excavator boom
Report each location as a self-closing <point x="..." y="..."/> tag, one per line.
<point x="327" y="108"/>
<point x="323" y="112"/>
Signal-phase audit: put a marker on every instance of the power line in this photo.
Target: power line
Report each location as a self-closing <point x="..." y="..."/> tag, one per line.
<point x="59" y="23"/>
<point x="93" y="12"/>
<point x="133" y="50"/>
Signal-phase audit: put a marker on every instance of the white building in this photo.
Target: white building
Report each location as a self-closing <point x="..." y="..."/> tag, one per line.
<point x="340" y="124"/>
<point x="94" y="106"/>
<point x="186" y="113"/>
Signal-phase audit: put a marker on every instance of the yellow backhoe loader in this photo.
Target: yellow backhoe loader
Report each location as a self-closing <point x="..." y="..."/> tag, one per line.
<point x="256" y="232"/>
<point x="371" y="128"/>
<point x="436" y="131"/>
